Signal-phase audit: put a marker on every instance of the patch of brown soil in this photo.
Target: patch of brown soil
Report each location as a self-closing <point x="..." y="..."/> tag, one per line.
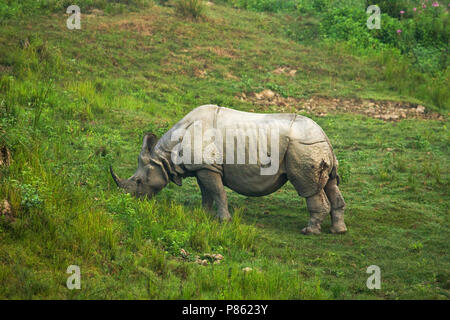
<point x="321" y="106"/>
<point x="90" y="14"/>
<point x="143" y="25"/>
<point x="286" y="71"/>
<point x="222" y="52"/>
<point x="200" y="73"/>
<point x="97" y="12"/>
<point x="230" y="76"/>
<point x="219" y="51"/>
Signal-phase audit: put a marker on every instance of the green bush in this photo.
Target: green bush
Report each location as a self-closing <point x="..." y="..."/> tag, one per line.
<point x="414" y="47"/>
<point x="429" y="58"/>
<point x="348" y="24"/>
<point x="423" y="36"/>
<point x="30" y="197"/>
<point x="190" y="8"/>
<point x="431" y="27"/>
<point x="295" y="6"/>
<point x="393" y="8"/>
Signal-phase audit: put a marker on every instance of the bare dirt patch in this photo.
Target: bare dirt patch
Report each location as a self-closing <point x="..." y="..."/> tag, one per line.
<point x="286" y="71"/>
<point x="143" y="25"/>
<point x="94" y="13"/>
<point x="143" y="28"/>
<point x="200" y="73"/>
<point x="222" y="52"/>
<point x="230" y="76"/>
<point x="218" y="51"/>
<point x="322" y="106"/>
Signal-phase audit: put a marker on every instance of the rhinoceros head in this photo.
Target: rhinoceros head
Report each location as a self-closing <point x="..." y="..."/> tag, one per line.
<point x="149" y="177"/>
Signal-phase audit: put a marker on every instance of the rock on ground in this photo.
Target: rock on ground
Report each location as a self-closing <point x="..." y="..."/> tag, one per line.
<point x="6" y="210"/>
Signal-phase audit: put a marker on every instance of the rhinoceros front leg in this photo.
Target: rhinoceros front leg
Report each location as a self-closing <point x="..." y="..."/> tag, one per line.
<point x="213" y="188"/>
<point x="318" y="207"/>
<point x="207" y="199"/>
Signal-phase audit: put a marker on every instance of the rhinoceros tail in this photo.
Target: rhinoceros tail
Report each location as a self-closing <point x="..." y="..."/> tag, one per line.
<point x="335" y="175"/>
<point x="334" y="170"/>
<point x="334" y="166"/>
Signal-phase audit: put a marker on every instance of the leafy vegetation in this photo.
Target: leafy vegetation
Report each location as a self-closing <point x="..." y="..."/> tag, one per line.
<point x="190" y="8"/>
<point x="414" y="32"/>
<point x="23" y="9"/>
<point x="73" y="102"/>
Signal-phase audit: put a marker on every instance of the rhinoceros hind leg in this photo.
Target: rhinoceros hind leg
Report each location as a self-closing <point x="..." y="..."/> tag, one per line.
<point x="337" y="207"/>
<point x="212" y="185"/>
<point x="318" y="207"/>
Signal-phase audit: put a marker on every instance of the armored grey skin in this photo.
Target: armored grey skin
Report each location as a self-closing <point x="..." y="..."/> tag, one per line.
<point x="306" y="159"/>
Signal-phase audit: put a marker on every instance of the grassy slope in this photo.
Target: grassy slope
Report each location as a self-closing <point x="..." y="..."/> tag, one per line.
<point x="124" y="75"/>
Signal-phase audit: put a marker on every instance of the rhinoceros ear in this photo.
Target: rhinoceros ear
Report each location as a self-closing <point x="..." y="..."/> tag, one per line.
<point x="149" y="142"/>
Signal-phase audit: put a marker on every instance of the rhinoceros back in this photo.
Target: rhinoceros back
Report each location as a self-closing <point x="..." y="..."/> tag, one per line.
<point x="306" y="131"/>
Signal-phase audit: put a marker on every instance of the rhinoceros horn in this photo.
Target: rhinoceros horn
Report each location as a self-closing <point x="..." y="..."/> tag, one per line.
<point x="129" y="185"/>
<point x="117" y="180"/>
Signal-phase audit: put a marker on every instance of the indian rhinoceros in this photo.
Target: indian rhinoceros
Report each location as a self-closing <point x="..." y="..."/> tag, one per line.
<point x="206" y="142"/>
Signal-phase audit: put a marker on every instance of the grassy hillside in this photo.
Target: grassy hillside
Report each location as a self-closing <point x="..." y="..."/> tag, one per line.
<point x="73" y="102"/>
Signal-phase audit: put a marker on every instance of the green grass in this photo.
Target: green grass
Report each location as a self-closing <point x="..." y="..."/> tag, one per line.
<point x="126" y="74"/>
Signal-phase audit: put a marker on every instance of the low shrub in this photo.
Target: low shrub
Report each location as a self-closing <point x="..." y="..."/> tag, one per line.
<point x="190" y="8"/>
<point x="392" y="8"/>
<point x="422" y="35"/>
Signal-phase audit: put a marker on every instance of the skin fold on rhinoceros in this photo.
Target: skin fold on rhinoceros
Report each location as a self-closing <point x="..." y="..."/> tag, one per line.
<point x="298" y="150"/>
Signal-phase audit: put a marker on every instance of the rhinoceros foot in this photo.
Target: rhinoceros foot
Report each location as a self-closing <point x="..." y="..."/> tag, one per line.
<point x="223" y="218"/>
<point x="311" y="230"/>
<point x="338" y="228"/>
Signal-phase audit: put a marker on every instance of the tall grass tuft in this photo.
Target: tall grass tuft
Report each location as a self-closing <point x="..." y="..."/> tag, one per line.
<point x="190" y="8"/>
